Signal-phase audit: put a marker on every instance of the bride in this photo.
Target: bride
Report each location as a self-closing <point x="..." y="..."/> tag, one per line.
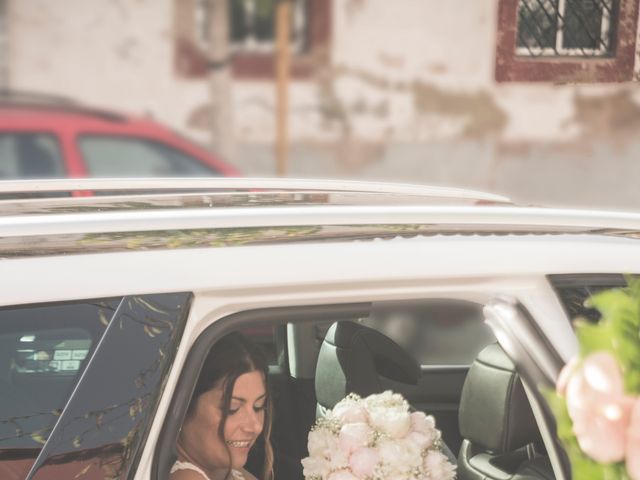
<point x="229" y="410"/>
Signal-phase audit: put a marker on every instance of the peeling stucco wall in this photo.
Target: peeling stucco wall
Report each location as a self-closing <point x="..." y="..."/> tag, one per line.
<point x="409" y="94"/>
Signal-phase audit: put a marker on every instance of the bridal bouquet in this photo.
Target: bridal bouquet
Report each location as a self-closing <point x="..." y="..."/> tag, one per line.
<point x="376" y="438"/>
<point x="597" y="403"/>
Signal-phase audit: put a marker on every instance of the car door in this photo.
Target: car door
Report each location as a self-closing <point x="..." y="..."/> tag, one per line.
<point x="538" y="363"/>
<point x="82" y="383"/>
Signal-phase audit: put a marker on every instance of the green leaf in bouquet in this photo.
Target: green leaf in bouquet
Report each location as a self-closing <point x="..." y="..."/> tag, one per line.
<point x="615" y="304"/>
<point x="618" y="332"/>
<point x="592" y="338"/>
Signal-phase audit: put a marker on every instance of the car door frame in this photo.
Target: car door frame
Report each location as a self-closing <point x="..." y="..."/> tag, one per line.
<point x="538" y="363"/>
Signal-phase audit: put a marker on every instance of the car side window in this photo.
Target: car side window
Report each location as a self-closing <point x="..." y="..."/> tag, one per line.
<point x="574" y="291"/>
<point x="80" y="383"/>
<point x="43" y="351"/>
<point x="435" y="332"/>
<point x="265" y="337"/>
<point x="118" y="156"/>
<point x="30" y="155"/>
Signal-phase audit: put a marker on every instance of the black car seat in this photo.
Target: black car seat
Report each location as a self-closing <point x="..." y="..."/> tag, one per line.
<point x="497" y="424"/>
<point x="352" y="359"/>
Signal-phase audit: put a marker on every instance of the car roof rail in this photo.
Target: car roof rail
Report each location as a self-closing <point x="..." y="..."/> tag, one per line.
<point x="52" y="102"/>
<point x="130" y="186"/>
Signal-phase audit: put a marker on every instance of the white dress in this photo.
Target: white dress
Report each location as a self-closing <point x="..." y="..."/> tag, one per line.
<point x="178" y="465"/>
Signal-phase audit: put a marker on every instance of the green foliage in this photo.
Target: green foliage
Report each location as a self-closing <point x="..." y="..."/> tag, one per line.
<point x="618" y="332"/>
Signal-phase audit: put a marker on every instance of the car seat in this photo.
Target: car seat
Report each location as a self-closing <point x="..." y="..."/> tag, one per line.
<point x="352" y="359"/>
<point x="497" y="424"/>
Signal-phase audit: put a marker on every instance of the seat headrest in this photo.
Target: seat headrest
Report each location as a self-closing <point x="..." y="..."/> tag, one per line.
<point x="353" y="357"/>
<point x="494" y="410"/>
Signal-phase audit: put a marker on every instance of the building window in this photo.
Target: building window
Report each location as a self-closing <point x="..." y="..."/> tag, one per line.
<point x="252" y="36"/>
<point x="579" y="28"/>
<point x="252" y="26"/>
<point x="566" y="40"/>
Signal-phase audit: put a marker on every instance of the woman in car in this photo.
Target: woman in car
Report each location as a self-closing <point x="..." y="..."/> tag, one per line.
<point x="229" y="410"/>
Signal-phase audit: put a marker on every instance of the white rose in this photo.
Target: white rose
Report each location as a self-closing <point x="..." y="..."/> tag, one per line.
<point x="315" y="467"/>
<point x="400" y="456"/>
<point x="349" y="412"/>
<point x="354" y="436"/>
<point x="395" y="422"/>
<point x="322" y="442"/>
<point x="386" y="399"/>
<point x="338" y="460"/>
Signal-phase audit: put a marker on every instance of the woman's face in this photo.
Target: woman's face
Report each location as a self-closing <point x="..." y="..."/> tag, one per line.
<point x="199" y="437"/>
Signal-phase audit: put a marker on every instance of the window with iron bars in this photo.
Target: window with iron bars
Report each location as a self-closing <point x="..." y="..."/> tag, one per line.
<point x="252" y="25"/>
<point x="566" y="28"/>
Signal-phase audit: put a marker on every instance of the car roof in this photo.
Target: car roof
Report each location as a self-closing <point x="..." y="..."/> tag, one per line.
<point x="34" y="110"/>
<point x="18" y="103"/>
<point x="275" y="210"/>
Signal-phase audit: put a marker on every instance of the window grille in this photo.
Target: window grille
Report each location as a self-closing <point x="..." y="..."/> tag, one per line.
<point x="252" y="25"/>
<point x="576" y="28"/>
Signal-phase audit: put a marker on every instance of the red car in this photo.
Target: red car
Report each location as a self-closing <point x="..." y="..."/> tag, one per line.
<point x="47" y="137"/>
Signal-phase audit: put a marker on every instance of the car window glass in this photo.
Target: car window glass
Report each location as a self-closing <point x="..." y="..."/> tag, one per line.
<point x="111" y="156"/>
<point x="30" y="155"/>
<point x="106" y="420"/>
<point x="435" y="332"/>
<point x="265" y="337"/>
<point x="574" y="290"/>
<point x="43" y="351"/>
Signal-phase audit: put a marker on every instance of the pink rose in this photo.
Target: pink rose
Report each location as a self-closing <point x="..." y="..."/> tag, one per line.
<point x="354" y="436"/>
<point x="421" y="440"/>
<point x="565" y="375"/>
<point x="363" y="462"/>
<point x="633" y="442"/>
<point x="437" y="465"/>
<point x="423" y="430"/>
<point x="598" y="407"/>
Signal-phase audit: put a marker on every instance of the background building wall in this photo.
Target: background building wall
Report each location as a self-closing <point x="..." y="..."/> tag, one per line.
<point x="409" y="94"/>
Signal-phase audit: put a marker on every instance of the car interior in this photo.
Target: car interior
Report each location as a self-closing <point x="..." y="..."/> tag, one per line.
<point x="438" y="353"/>
<point x="481" y="408"/>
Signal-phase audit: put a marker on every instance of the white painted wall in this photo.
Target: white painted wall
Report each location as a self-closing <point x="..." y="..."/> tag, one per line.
<point x="120" y="54"/>
<point x="410" y="84"/>
<point x="115" y="54"/>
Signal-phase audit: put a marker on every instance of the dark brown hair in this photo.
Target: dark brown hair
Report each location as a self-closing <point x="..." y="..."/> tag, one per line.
<point x="231" y="356"/>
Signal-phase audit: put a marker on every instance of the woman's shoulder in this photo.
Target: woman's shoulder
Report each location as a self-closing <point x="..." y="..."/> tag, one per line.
<point x="187" y="471"/>
<point x="187" y="475"/>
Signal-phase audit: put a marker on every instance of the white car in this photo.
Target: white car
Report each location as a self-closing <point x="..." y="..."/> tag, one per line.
<point x="113" y="291"/>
